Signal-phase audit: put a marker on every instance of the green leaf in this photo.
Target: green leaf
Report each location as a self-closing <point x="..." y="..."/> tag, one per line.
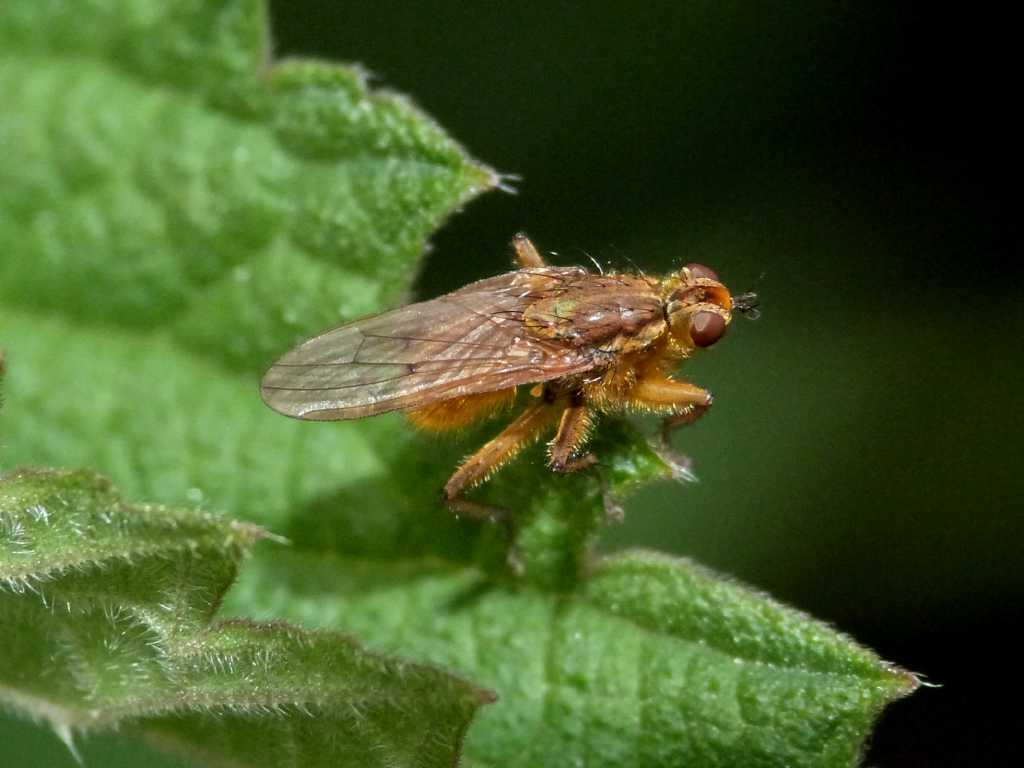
<point x="107" y="610"/>
<point x="655" y="662"/>
<point x="181" y="210"/>
<point x="178" y="213"/>
<point x="168" y="176"/>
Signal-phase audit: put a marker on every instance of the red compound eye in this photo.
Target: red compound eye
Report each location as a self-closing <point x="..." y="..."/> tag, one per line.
<point x="699" y="270"/>
<point x="706" y="328"/>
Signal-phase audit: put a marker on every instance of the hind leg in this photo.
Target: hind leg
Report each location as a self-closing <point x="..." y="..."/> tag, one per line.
<point x="499" y="450"/>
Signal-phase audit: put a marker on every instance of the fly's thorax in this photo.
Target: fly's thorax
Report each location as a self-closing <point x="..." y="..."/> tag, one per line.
<point x="612" y="313"/>
<point x="698" y="306"/>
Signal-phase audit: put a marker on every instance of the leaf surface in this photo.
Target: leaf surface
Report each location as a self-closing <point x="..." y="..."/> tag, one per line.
<point x="652" y="661"/>
<point x="179" y="212"/>
<point x="108" y="610"/>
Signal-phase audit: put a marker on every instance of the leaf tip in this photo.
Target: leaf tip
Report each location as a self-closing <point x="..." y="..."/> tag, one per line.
<point x="248" y="534"/>
<point x="908" y="682"/>
<point x="67" y="737"/>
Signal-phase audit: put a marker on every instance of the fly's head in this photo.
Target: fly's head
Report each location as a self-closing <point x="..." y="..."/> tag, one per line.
<point x="698" y="306"/>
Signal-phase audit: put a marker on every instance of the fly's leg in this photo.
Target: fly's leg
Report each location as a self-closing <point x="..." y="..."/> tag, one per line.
<point x="573" y="432"/>
<point x="564" y="449"/>
<point x="527" y="256"/>
<point x="680" y="463"/>
<point x="683" y="403"/>
<point x="523" y="430"/>
<point x="689" y="415"/>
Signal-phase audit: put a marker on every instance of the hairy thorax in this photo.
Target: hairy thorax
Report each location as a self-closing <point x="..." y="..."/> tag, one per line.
<point x="612" y="314"/>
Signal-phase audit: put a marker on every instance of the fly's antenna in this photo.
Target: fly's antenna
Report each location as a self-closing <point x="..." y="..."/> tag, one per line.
<point x="747" y="304"/>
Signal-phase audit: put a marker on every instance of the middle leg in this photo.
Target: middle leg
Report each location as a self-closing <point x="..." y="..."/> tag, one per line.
<point x="571" y="437"/>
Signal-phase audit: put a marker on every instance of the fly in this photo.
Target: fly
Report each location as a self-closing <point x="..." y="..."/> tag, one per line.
<point x="586" y="343"/>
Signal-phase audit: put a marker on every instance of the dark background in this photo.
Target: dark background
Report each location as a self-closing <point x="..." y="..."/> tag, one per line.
<point x="854" y="164"/>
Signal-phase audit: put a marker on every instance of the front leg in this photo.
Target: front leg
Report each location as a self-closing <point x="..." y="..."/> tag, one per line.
<point x="671" y="423"/>
<point x="683" y="403"/>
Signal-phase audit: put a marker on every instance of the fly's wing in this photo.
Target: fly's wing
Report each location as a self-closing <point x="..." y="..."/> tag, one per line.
<point x="463" y="343"/>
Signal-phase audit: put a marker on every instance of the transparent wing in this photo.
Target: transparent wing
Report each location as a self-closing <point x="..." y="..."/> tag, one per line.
<point x="467" y="342"/>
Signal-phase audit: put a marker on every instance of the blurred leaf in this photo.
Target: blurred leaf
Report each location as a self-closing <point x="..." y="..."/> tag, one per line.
<point x="107" y="608"/>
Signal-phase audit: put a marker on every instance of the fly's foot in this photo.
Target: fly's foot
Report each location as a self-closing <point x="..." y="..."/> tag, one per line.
<point x="680" y="464"/>
<point x="573" y="464"/>
<point x="475" y="510"/>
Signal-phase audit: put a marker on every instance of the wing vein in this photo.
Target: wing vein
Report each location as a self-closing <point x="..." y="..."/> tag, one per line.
<point x="338" y="374"/>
